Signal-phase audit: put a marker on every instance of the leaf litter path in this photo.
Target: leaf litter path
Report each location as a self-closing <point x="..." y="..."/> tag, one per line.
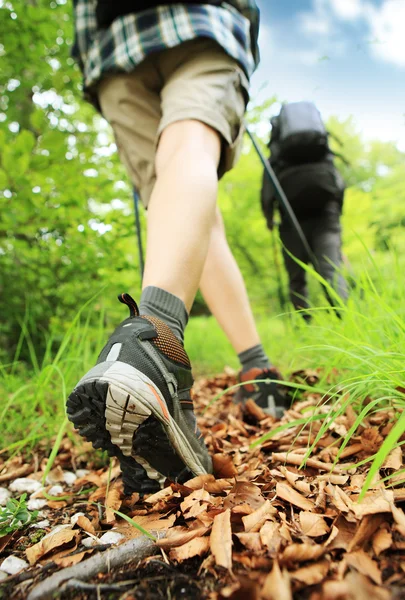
<point x="261" y="528"/>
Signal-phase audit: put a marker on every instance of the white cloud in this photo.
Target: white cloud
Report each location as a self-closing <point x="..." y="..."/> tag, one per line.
<point x="387" y="28"/>
<point x="384" y="24"/>
<point x="348" y="10"/>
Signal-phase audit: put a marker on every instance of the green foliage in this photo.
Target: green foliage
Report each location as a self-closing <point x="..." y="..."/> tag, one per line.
<point x="15" y="515"/>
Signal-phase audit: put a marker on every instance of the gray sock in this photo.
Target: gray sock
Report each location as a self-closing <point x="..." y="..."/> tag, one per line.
<point x="254" y="357"/>
<point x="166" y="307"/>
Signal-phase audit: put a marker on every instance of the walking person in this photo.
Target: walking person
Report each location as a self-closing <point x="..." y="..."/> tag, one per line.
<point x="172" y="80"/>
<point x="304" y="164"/>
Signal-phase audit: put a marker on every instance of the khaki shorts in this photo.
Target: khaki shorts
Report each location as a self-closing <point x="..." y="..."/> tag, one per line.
<point x="195" y="80"/>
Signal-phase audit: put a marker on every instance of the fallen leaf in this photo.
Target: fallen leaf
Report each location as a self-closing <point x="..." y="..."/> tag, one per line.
<point x="86" y="524"/>
<point x="112" y="503"/>
<point x="302" y="552"/>
<point x="223" y="466"/>
<point x="221" y="540"/>
<point x="313" y="525"/>
<point x="277" y="585"/>
<point x="399" y="518"/>
<point x="354" y="587"/>
<point x="286" y="492"/>
<point x="152" y="522"/>
<point x="371" y="440"/>
<point x="394" y="460"/>
<point x="366" y="529"/>
<point x="177" y="536"/>
<point x="270" y="537"/>
<point x="382" y="540"/>
<point x="312" y="574"/>
<point x="195" y="547"/>
<point x="244" y="492"/>
<point x="363" y="563"/>
<point x="251" y="541"/>
<point x="255" y="520"/>
<point x="209" y="483"/>
<point x="50" y="542"/>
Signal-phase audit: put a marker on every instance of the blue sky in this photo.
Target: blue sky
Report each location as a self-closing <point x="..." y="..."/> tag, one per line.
<point x="348" y="56"/>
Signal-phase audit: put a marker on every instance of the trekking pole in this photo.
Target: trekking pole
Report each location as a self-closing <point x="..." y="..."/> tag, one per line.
<point x="282" y="198"/>
<point x="281" y="297"/>
<point x="138" y="232"/>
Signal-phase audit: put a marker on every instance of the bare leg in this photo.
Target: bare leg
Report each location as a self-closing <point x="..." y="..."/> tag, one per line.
<point x="225" y="293"/>
<point x="182" y="208"/>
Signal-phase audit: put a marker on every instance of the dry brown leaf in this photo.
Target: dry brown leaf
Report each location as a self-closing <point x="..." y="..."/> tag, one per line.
<point x="221" y="540"/>
<point x="152" y="522"/>
<point x="354" y="587"/>
<point x="382" y="541"/>
<point x="86" y="524"/>
<point x="312" y="574"/>
<point x="209" y="483"/>
<point x="56" y="504"/>
<point x="254" y="521"/>
<point x="254" y="410"/>
<point x="277" y="585"/>
<point x="195" y="547"/>
<point x="366" y="529"/>
<point x="89" y="478"/>
<point x="363" y="563"/>
<point x="251" y="541"/>
<point x="286" y="492"/>
<point x="313" y="525"/>
<point x="50" y="542"/>
<point x="271" y="537"/>
<point x="302" y="552"/>
<point x="371" y="439"/>
<point x="244" y="589"/>
<point x="373" y="503"/>
<point x="71" y="559"/>
<point x="244" y="492"/>
<point x="394" y="459"/>
<point x="160" y="495"/>
<point x="223" y="466"/>
<point x="399" y="518"/>
<point x="177" y="536"/>
<point x="112" y="503"/>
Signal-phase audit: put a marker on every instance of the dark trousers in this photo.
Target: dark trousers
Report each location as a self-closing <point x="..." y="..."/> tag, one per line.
<point x="324" y="237"/>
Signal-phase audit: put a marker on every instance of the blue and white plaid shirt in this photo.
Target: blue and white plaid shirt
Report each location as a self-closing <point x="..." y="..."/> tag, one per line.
<point x="130" y="38"/>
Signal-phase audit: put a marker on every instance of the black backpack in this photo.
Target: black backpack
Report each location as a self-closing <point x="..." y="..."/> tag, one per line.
<point x="107" y="11"/>
<point x="298" y="134"/>
<point x="302" y="159"/>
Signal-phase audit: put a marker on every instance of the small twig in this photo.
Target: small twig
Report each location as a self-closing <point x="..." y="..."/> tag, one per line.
<point x="297" y="459"/>
<point x="135" y="549"/>
<point x="24" y="470"/>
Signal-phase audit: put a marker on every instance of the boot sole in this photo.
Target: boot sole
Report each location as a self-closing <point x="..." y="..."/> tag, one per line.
<point x="119" y="409"/>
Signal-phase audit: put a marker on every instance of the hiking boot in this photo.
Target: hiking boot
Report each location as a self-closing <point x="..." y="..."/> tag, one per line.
<point x="270" y="396"/>
<point x="136" y="404"/>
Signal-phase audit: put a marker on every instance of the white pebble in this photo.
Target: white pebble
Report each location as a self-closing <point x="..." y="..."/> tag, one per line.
<point x="74" y="518"/>
<point x="69" y="478"/>
<point x="4" y="496"/>
<point x="111" y="537"/>
<point x="13" y="564"/>
<point x="3" y="575"/>
<point x="82" y="472"/>
<point x="23" y="484"/>
<point x="55" y="490"/>
<point x="89" y="542"/>
<point x="36" y="503"/>
<point x="41" y="524"/>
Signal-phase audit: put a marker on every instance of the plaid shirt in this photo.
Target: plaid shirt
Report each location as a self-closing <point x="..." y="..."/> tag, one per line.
<point x="129" y="39"/>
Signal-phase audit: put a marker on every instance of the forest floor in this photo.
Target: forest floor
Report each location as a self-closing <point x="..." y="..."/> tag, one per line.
<point x="263" y="527"/>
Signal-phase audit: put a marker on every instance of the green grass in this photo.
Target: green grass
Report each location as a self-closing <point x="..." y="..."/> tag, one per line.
<point x="361" y="355"/>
